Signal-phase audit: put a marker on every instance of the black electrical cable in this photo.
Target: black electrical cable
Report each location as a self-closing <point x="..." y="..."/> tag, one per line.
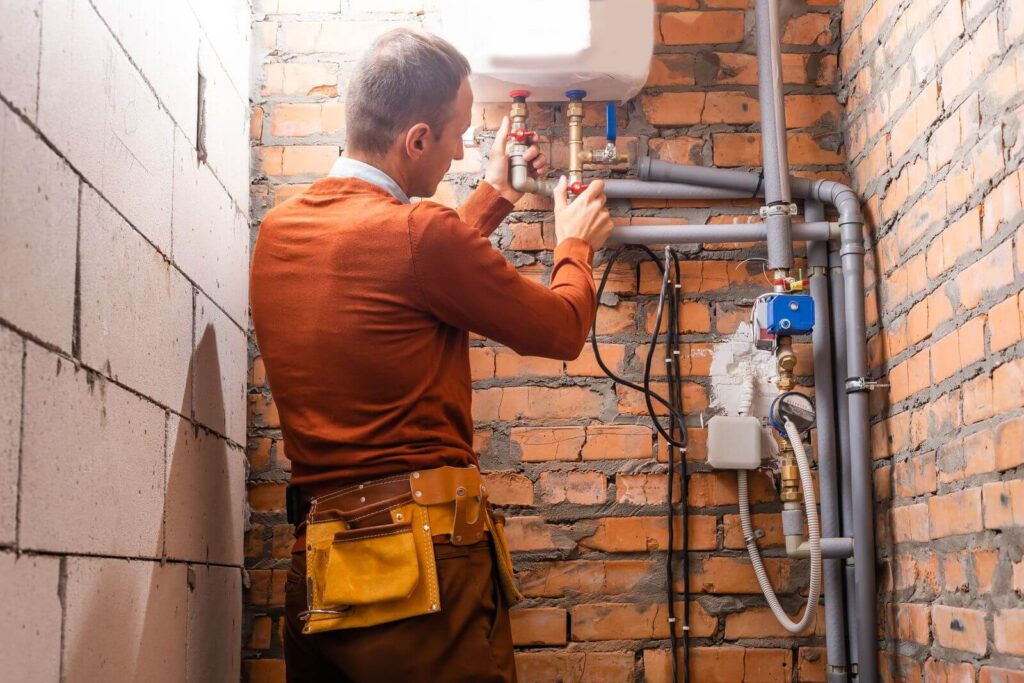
<point x="676" y="437"/>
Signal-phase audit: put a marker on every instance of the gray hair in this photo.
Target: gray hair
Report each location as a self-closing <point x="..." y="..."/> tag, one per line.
<point x="406" y="77"/>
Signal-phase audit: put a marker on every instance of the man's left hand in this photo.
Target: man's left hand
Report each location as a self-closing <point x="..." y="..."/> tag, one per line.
<point x="497" y="173"/>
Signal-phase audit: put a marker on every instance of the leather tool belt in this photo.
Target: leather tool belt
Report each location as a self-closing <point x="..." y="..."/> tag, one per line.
<point x="370" y="546"/>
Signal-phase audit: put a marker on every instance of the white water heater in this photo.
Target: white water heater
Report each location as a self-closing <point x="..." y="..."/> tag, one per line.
<point x="550" y="46"/>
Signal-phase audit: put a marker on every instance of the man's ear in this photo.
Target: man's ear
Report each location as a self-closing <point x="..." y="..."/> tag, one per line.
<point x="417" y="140"/>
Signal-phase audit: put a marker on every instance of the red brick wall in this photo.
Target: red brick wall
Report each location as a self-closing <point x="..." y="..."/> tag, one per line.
<point x="573" y="459"/>
<point x="933" y="107"/>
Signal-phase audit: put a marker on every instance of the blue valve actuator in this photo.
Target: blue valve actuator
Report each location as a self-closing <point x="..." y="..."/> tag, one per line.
<point x="611" y="132"/>
<point x="789" y="314"/>
<point x="575" y="94"/>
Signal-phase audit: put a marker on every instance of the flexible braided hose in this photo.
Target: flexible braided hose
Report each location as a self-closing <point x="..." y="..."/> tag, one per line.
<point x="813" y="538"/>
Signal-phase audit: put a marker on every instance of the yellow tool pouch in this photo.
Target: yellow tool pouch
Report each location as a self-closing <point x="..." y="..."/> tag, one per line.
<point x="372" y="575"/>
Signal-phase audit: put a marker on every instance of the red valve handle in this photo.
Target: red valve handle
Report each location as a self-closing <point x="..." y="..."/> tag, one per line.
<point x="518" y="93"/>
<point x="524" y="136"/>
<point x="577" y="188"/>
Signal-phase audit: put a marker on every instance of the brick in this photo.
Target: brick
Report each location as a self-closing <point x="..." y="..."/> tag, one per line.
<point x="649" y="534"/>
<point x="481" y="363"/>
<point x="1005" y="323"/>
<point x="955" y="513"/>
<point x="696" y="28"/>
<point x="948" y="672"/>
<point x="30" y="606"/>
<point x="1008" y="386"/>
<point x="538" y="626"/>
<point x="585" y="365"/>
<point x="645" y="489"/>
<point x="574" y="667"/>
<point x="990" y="273"/>
<point x="514" y="403"/>
<point x="1004" y="504"/>
<point x="978" y="399"/>
<point x="302" y="119"/>
<point x="812" y="28"/>
<point x="349" y="37"/>
<point x="684" y="150"/>
<point x="579" y="488"/>
<point x="555" y="443"/>
<point x="673" y="109"/>
<point x="810" y="665"/>
<point x="910" y="523"/>
<point x="719" y="488"/>
<point x="590" y="577"/>
<point x="960" y="629"/>
<point x="267" y="670"/>
<point x="984" y="564"/>
<point x="1008" y="439"/>
<point x="508" y="488"/>
<point x="613" y="621"/>
<point x="300" y="78"/>
<point x="1002" y="205"/>
<point x="204" y="507"/>
<point x="991" y="674"/>
<point x="533" y="533"/>
<point x="671" y="69"/>
<point x="922" y="111"/>
<point x="912" y="622"/>
<point x="117" y="588"/>
<point x="730" y="107"/>
<point x="213" y="630"/>
<point x="734" y="575"/>
<point x="805" y="111"/>
<point x="123" y="114"/>
<point x="99" y="423"/>
<point x="760" y="622"/>
<point x="915" y="476"/>
<point x="605" y="442"/>
<point x="263" y="412"/>
<point x="508" y="363"/>
<point x="1008" y="631"/>
<point x="37" y="238"/>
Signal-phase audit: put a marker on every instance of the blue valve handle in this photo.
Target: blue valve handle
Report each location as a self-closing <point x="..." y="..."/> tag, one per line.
<point x="575" y="94"/>
<point x="611" y="132"/>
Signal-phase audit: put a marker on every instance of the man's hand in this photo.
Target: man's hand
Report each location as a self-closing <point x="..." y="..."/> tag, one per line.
<point x="586" y="218"/>
<point x="497" y="163"/>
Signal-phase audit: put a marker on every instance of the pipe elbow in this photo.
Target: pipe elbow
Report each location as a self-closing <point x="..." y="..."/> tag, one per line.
<point x="522" y="182"/>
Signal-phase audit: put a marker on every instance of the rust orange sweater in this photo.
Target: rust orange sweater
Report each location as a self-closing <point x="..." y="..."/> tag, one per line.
<point x="361" y="306"/>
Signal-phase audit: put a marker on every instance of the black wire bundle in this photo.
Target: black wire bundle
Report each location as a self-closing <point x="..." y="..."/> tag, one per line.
<point x="669" y="298"/>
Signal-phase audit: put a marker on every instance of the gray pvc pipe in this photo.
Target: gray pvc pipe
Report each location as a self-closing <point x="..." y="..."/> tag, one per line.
<point x="708" y="176"/>
<point x="773" y="132"/>
<point x="821" y="340"/>
<point x="695" y="234"/>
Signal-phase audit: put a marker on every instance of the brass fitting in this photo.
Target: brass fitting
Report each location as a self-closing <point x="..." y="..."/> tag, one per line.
<point x="785" y="359"/>
<point x="574" y="112"/>
<point x="607" y="155"/>
<point x="518" y="114"/>
<point x="789" y="490"/>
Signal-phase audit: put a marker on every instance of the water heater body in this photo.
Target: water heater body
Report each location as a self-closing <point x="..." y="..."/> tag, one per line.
<point x="601" y="46"/>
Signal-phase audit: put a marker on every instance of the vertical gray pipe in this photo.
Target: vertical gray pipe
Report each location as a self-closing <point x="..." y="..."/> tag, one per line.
<point x="821" y="341"/>
<point x="773" y="133"/>
<point x="852" y="254"/>
<point x="837" y="291"/>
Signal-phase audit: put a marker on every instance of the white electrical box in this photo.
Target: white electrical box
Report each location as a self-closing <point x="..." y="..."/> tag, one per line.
<point x="601" y="46"/>
<point x="734" y="443"/>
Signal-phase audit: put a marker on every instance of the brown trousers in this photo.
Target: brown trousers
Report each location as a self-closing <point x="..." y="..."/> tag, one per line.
<point x="469" y="640"/>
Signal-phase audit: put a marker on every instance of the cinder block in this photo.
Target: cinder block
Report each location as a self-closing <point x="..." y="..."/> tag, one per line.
<point x="39" y="196"/>
<point x="19" y="53"/>
<point x="31" y="614"/>
<point x="96" y="108"/>
<point x="211" y="238"/>
<point x="214" y="624"/>
<point x="136" y="310"/>
<point x="11" y="350"/>
<point x="227" y="26"/>
<point x="227" y="126"/>
<point x="205" y="494"/>
<point x="163" y="41"/>
<point x="125" y="621"/>
<point x="220" y="364"/>
<point x="92" y="467"/>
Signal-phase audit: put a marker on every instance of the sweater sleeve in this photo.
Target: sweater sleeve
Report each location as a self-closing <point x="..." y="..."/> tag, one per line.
<point x="468" y="284"/>
<point x="485" y="209"/>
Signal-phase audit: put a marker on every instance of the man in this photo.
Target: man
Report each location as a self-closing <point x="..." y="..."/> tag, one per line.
<point x="362" y="303"/>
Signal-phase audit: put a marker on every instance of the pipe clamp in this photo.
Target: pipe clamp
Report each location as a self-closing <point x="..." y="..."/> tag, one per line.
<point x="856" y="385"/>
<point x="777" y="210"/>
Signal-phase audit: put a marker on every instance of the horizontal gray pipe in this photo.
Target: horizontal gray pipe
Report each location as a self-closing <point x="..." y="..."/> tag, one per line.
<point x="728" y="179"/>
<point x="695" y="234"/>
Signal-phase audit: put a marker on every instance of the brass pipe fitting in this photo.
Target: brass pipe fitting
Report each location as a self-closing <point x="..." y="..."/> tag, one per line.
<point x="574" y="112"/>
<point x="785" y="359"/>
<point x="789" y="490"/>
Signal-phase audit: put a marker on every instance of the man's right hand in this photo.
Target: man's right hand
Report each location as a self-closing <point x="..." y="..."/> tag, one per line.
<point x="586" y="217"/>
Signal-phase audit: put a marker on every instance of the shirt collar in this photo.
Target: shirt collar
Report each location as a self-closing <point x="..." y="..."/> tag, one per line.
<point x="345" y="167"/>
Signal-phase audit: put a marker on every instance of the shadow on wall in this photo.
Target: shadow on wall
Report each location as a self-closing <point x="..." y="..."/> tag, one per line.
<point x="178" y="619"/>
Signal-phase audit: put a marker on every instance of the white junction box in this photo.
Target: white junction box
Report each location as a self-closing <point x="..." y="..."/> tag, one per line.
<point x="601" y="46"/>
<point x="734" y="443"/>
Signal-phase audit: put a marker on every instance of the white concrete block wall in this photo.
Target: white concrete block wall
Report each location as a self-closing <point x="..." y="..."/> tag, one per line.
<point x="123" y="352"/>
